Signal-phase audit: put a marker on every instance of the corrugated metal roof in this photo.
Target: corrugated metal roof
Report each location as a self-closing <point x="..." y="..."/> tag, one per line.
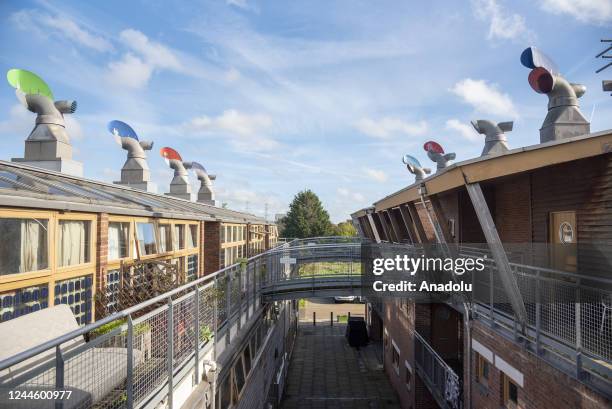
<point x="30" y="187"/>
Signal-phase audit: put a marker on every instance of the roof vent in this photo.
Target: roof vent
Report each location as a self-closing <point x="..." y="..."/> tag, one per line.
<point x="48" y="145"/>
<point x="414" y="167"/>
<point x="135" y="171"/>
<point x="495" y="141"/>
<point x="180" y="186"/>
<point x="436" y="154"/>
<point x="206" y="193"/>
<point x="564" y="119"/>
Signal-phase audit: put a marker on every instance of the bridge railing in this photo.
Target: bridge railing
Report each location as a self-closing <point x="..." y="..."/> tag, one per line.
<point x="135" y="356"/>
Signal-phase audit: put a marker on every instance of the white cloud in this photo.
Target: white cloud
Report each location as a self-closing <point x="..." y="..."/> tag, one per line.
<point x="243" y="130"/>
<point x="503" y="25"/>
<point x="388" y="126"/>
<point x="375" y="174"/>
<point x="465" y="130"/>
<point x="129" y="72"/>
<point x="485" y="98"/>
<point x="136" y="67"/>
<point x="153" y="53"/>
<point x="61" y="26"/>
<point x="586" y="11"/>
<point x="347" y="194"/>
<point x="19" y="123"/>
<point x="232" y="75"/>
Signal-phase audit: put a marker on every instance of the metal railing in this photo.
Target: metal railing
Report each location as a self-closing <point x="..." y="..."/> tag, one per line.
<point x="135" y="357"/>
<point x="441" y="380"/>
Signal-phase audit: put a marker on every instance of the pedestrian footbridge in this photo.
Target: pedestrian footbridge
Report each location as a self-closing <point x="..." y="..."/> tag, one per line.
<point x="224" y="340"/>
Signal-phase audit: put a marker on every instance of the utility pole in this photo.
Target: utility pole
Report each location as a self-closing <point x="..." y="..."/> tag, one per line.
<point x="605" y="54"/>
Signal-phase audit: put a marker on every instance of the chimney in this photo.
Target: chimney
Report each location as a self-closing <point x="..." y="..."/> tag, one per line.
<point x="495" y="140"/>
<point x="206" y="193"/>
<point x="180" y="186"/>
<point x="414" y="167"/>
<point x="135" y="172"/>
<point x="564" y="119"/>
<point x="48" y="145"/>
<point x="436" y="154"/>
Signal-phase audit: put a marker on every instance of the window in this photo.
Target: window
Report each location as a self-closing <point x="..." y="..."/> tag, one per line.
<point x="510" y="392"/>
<point x="74" y="242"/>
<point x="222" y="234"/>
<point x="165" y="238"/>
<point x="482" y="370"/>
<point x="247" y="360"/>
<point x="192" y="236"/>
<point x="408" y="375"/>
<point x="146" y="238"/>
<point x="118" y="239"/>
<point x="240" y="378"/>
<point x="179" y="236"/>
<point x="24" y="246"/>
<point x="395" y="358"/>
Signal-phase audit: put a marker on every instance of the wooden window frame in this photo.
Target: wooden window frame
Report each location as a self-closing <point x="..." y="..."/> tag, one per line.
<point x="506" y="401"/>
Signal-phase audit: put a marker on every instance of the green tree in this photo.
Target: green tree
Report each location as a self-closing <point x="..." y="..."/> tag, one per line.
<point x="345" y="229"/>
<point x="307" y="217"/>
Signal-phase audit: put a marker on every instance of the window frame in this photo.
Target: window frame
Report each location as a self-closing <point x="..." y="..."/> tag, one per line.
<point x="93" y="245"/>
<point x="130" y="238"/>
<point x="481" y="363"/>
<point x="506" y="401"/>
<point x="51" y="227"/>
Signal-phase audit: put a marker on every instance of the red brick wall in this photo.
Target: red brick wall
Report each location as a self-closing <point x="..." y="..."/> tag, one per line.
<point x="212" y="245"/>
<point x="544" y="387"/>
<point x="201" y="255"/>
<point x="399" y="323"/>
<point x="429" y="232"/>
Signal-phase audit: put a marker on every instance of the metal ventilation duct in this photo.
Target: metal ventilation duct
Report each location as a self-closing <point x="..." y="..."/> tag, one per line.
<point x="414" y="167"/>
<point x="564" y="119"/>
<point x="436" y="154"/>
<point x="135" y="171"/>
<point x="180" y="186"/>
<point x="206" y="193"/>
<point x="495" y="141"/>
<point x="48" y="145"/>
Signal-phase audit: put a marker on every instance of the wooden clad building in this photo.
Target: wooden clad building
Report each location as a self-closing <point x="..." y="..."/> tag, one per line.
<point x="69" y="240"/>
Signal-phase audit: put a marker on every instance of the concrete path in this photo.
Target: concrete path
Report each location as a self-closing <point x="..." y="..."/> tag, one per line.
<point x="325" y="372"/>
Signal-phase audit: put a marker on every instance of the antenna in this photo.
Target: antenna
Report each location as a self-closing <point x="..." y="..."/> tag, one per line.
<point x="606" y="85"/>
<point x="180" y="186"/>
<point x="135" y="171"/>
<point x="414" y="166"/>
<point x="564" y="119"/>
<point x="436" y="154"/>
<point x="48" y="145"/>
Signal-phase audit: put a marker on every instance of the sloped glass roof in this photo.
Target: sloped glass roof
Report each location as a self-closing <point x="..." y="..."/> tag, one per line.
<point x="58" y="191"/>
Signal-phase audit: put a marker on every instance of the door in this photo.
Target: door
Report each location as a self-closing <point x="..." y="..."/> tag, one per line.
<point x="563" y="239"/>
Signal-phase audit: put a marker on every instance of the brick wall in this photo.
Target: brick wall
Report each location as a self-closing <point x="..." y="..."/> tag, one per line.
<point x="201" y="255"/>
<point x="399" y="323"/>
<point x="544" y="386"/>
<point x="212" y="240"/>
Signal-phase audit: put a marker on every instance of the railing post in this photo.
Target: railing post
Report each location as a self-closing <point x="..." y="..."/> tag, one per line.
<point x="314" y="319"/>
<point x="130" y="363"/>
<point x="170" y="352"/>
<point x="59" y="375"/>
<point x="491" y="289"/>
<point x="215" y="318"/>
<point x="196" y="331"/>
<point x="538" y="314"/>
<point x="578" y="332"/>
<point x="240" y="298"/>
<point x="331" y="318"/>
<point x="228" y="303"/>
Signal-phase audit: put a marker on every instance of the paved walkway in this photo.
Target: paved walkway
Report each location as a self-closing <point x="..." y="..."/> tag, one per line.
<point x="325" y="372"/>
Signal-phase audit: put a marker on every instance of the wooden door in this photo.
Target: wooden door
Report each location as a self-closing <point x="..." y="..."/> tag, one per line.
<point x="563" y="239"/>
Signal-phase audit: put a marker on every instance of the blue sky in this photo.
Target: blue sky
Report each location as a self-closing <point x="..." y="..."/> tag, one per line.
<point x="276" y="97"/>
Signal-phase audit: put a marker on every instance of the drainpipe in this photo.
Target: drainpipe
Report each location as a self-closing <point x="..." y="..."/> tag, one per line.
<point x="467" y="321"/>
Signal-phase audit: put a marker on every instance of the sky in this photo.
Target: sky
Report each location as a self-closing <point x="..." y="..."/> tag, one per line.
<point x="275" y="97"/>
